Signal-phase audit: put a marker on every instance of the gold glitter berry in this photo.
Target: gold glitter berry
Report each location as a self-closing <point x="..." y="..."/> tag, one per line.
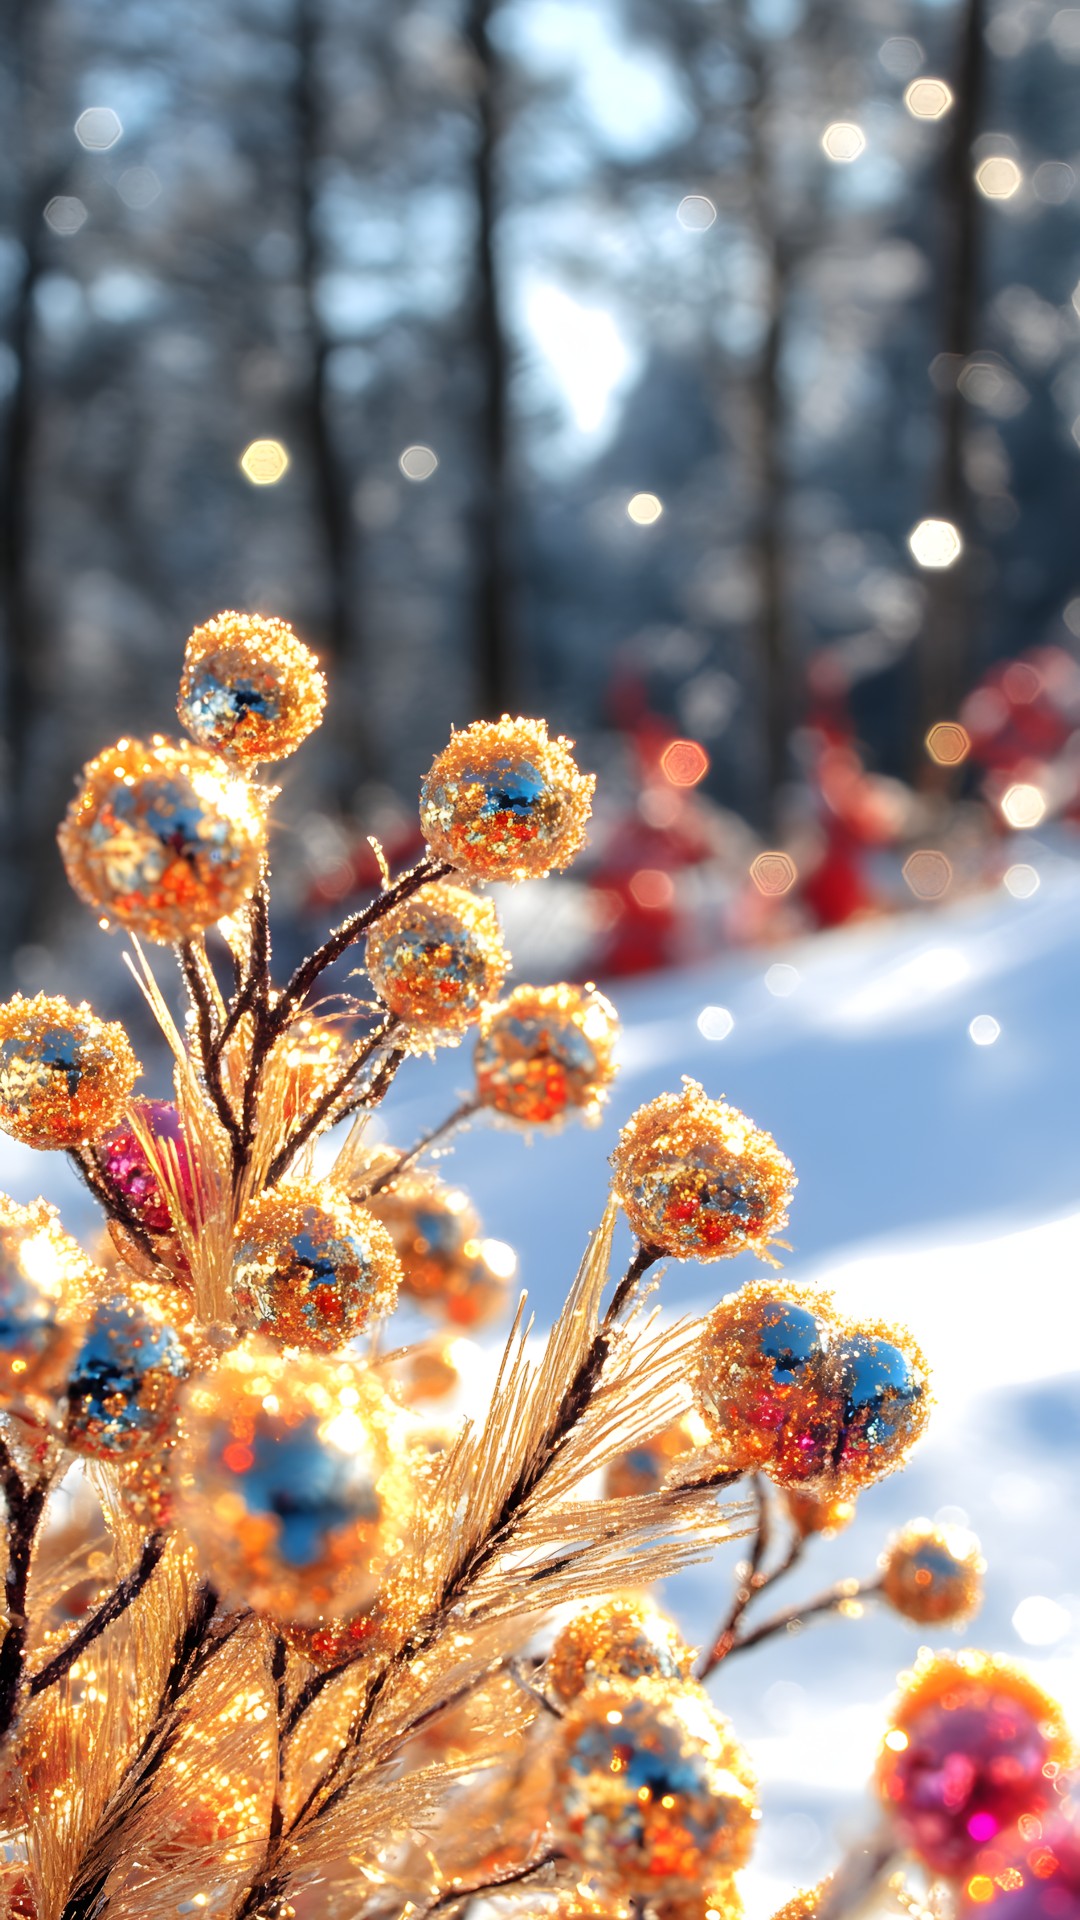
<point x="504" y="802"/>
<point x="437" y="958"/>
<point x="933" y="1574"/>
<point x="311" y="1267"/>
<point x="623" y="1638"/>
<point x="250" y="688"/>
<point x="65" y="1075"/>
<point x="162" y="838"/>
<point x="545" y="1052"/>
<point x="698" y="1180"/>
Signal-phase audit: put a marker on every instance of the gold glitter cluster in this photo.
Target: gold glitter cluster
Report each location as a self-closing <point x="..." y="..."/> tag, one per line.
<point x="250" y="688"/>
<point x="311" y="1267"/>
<point x="624" y="1638"/>
<point x="651" y="1788"/>
<point x="545" y="1051"/>
<point x="698" y="1179"/>
<point x="505" y="802"/>
<point x="812" y="1400"/>
<point x="448" y="1266"/>
<point x="932" y="1574"/>
<point x="162" y="838"/>
<point x="46" y="1281"/>
<point x="65" y="1075"/>
<point x="293" y="1483"/>
<point x="437" y="958"/>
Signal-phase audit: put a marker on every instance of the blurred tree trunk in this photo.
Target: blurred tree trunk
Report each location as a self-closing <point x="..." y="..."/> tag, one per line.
<point x="330" y="480"/>
<point x="777" y="663"/>
<point x="945" y="650"/>
<point x="26" y="656"/>
<point x="493" y="659"/>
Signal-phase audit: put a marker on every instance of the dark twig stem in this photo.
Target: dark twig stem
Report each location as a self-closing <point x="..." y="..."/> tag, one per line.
<point x="750" y="1581"/>
<point x="113" y="1202"/>
<point x="208" y="1031"/>
<point x="342" y="937"/>
<point x="831" y="1601"/>
<point x="25" y="1504"/>
<point x="405" y="1160"/>
<point x="312" y="1121"/>
<point x="110" y="1609"/>
<point x="512" y="1876"/>
<point x="278" y="1667"/>
<point x="859" y="1873"/>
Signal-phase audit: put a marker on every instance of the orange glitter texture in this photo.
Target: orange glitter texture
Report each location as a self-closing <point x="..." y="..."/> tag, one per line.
<point x="65" y="1075"/>
<point x="545" y="1052"/>
<point x="650" y="1787"/>
<point x="250" y="688"/>
<point x="437" y="958"/>
<point x="162" y="838"/>
<point x="505" y="802"/>
<point x="311" y="1267"/>
<point x="933" y="1574"/>
<point x="624" y="1638"/>
<point x="699" y="1180"/>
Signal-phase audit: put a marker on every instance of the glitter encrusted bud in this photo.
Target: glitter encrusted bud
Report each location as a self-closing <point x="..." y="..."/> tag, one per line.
<point x="719" y="1899"/>
<point x="877" y="1382"/>
<point x="973" y="1746"/>
<point x="447" y="1266"/>
<point x="310" y="1267"/>
<point x="651" y="1788"/>
<point x="503" y="802"/>
<point x="1033" y="1875"/>
<point x="437" y="958"/>
<point x="804" y="1904"/>
<point x="698" y="1180"/>
<point x="250" y="688"/>
<point x="162" y="838"/>
<point x="125" y="1380"/>
<point x="292" y="1485"/>
<point x="624" y="1638"/>
<point x="544" y="1052"/>
<point x="65" y="1075"/>
<point x="822" y="1513"/>
<point x="45" y="1279"/>
<point x="430" y="1225"/>
<point x="933" y="1574"/>
<point x="760" y="1379"/>
<point x="644" y="1467"/>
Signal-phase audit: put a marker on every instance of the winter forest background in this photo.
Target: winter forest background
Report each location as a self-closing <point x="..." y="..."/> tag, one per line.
<point x="404" y="320"/>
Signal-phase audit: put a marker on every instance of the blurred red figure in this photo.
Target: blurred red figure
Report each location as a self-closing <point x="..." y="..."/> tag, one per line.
<point x="1023" y="721"/>
<point x="672" y="829"/>
<point x="857" y="811"/>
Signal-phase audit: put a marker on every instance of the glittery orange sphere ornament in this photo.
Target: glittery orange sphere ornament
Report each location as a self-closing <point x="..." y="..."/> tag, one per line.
<point x="933" y="1574"/>
<point x="973" y="1746"/>
<point x="810" y="1512"/>
<point x="650" y="1788"/>
<point x="503" y="802"/>
<point x="162" y="838"/>
<point x="643" y="1468"/>
<point x="545" y="1052"/>
<point x="698" y="1180"/>
<point x="430" y="1224"/>
<point x="125" y="1380"/>
<point x="65" y="1075"/>
<point x="623" y="1638"/>
<point x="877" y="1382"/>
<point x="437" y="958"/>
<point x="291" y="1484"/>
<point x="250" y="688"/>
<point x="44" y="1281"/>
<point x="310" y="1267"/>
<point x="760" y="1380"/>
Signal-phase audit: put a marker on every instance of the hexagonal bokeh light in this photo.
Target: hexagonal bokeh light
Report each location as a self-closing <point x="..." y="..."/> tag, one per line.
<point x="935" y="543"/>
<point x="264" y="462"/>
<point x="774" y="872"/>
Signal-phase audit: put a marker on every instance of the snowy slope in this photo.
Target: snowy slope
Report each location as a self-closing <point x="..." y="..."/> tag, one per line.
<point x="940" y="1184"/>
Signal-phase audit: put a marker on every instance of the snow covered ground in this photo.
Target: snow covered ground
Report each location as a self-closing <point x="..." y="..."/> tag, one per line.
<point x="940" y="1185"/>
